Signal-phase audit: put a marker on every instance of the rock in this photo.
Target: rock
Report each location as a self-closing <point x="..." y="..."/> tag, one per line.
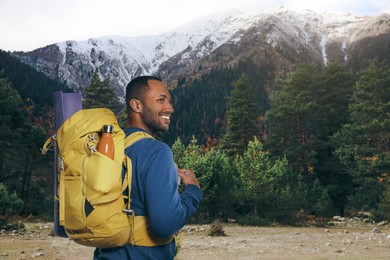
<point x="364" y="214"/>
<point x="366" y="220"/>
<point x="39" y="254"/>
<point x="382" y="223"/>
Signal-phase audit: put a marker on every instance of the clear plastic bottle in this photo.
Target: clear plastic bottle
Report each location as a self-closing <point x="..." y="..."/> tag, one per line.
<point x="106" y="143"/>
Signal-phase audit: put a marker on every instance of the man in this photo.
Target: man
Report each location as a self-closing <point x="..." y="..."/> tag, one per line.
<point x="154" y="190"/>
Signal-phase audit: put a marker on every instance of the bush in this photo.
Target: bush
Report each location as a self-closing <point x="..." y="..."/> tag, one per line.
<point x="10" y="205"/>
<point x="383" y="211"/>
<point x="178" y="243"/>
<point x="216" y="229"/>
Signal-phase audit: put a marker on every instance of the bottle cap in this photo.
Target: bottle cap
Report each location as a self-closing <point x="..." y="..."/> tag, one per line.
<point x="108" y="129"/>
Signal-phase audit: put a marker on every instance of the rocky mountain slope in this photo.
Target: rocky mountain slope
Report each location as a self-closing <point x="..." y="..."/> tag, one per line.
<point x="280" y="35"/>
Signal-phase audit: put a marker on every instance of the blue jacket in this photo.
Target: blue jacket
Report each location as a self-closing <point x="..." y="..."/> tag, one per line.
<point x="154" y="193"/>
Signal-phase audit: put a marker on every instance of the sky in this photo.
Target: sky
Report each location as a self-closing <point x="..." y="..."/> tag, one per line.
<point x="26" y="25"/>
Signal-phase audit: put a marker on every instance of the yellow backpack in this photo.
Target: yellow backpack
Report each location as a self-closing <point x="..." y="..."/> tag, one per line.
<point x="92" y="206"/>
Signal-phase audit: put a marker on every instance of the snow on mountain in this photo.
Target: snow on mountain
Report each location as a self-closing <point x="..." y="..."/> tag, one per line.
<point x="122" y="58"/>
<point x="309" y="27"/>
<point x="150" y="51"/>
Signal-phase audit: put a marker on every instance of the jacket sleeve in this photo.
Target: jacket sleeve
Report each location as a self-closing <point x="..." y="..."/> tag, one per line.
<point x="168" y="211"/>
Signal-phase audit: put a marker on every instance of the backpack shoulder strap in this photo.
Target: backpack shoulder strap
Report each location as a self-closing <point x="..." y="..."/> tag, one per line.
<point x="134" y="137"/>
<point x="130" y="140"/>
<point x="142" y="234"/>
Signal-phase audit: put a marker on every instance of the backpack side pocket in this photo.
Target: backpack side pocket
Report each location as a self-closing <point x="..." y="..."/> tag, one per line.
<point x="103" y="180"/>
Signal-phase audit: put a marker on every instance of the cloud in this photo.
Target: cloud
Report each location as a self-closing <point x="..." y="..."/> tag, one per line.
<point x="360" y="7"/>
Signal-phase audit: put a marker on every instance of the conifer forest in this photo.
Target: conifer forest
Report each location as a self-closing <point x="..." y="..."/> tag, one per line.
<point x="265" y="148"/>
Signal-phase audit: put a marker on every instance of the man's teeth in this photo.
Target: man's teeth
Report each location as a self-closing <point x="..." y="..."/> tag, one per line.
<point x="165" y="117"/>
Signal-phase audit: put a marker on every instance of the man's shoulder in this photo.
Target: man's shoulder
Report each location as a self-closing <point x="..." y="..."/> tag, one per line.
<point x="152" y="143"/>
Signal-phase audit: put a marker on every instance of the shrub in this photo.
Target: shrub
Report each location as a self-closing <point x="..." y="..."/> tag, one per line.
<point x="216" y="229"/>
<point x="178" y="243"/>
<point x="383" y="211"/>
<point x="10" y="204"/>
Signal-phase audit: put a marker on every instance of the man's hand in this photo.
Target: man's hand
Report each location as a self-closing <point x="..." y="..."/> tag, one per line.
<point x="188" y="177"/>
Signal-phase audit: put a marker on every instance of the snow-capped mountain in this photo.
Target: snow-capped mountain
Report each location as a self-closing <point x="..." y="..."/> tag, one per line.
<point x="217" y="39"/>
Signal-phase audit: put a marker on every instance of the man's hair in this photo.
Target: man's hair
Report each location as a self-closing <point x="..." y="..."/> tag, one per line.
<point x="137" y="88"/>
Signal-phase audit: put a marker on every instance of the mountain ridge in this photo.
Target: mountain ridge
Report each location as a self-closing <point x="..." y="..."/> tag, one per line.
<point x="218" y="40"/>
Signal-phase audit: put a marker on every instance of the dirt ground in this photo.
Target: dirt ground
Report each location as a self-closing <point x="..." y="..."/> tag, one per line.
<point x="343" y="241"/>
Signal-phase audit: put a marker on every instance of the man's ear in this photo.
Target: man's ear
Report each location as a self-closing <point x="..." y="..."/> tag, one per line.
<point x="135" y="105"/>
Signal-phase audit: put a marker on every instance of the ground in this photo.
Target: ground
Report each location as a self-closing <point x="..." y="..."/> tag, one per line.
<point x="343" y="241"/>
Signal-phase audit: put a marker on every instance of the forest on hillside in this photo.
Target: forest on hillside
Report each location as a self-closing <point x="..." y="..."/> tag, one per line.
<point x="317" y="145"/>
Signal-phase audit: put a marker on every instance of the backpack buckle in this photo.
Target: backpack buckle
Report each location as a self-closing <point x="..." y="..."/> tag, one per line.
<point x="128" y="211"/>
<point x="61" y="163"/>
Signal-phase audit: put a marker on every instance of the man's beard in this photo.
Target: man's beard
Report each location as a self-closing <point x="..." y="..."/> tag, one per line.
<point x="152" y="121"/>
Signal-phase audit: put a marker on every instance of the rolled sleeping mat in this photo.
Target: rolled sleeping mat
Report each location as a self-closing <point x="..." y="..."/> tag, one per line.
<point x="65" y="105"/>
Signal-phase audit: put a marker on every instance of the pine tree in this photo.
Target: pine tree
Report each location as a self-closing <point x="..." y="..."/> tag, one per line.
<point x="241" y="117"/>
<point x="11" y="122"/>
<point x="363" y="144"/>
<point x="178" y="150"/>
<point x="290" y="120"/>
<point x="253" y="167"/>
<point x="22" y="166"/>
<point x="275" y="192"/>
<point x="99" y="94"/>
<point x="333" y="95"/>
<point x="311" y="107"/>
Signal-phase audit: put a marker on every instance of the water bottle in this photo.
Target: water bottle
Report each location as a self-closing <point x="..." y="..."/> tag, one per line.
<point x="106" y="143"/>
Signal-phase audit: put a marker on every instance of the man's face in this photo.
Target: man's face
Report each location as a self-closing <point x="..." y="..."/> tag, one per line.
<point x="157" y="107"/>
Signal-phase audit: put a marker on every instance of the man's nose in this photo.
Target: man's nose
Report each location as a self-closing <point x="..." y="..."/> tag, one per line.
<point x="169" y="107"/>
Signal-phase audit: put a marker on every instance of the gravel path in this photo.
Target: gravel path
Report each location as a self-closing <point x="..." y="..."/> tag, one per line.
<point x="343" y="241"/>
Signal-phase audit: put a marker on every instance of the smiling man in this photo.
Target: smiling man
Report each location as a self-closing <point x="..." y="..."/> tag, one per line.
<point x="154" y="192"/>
